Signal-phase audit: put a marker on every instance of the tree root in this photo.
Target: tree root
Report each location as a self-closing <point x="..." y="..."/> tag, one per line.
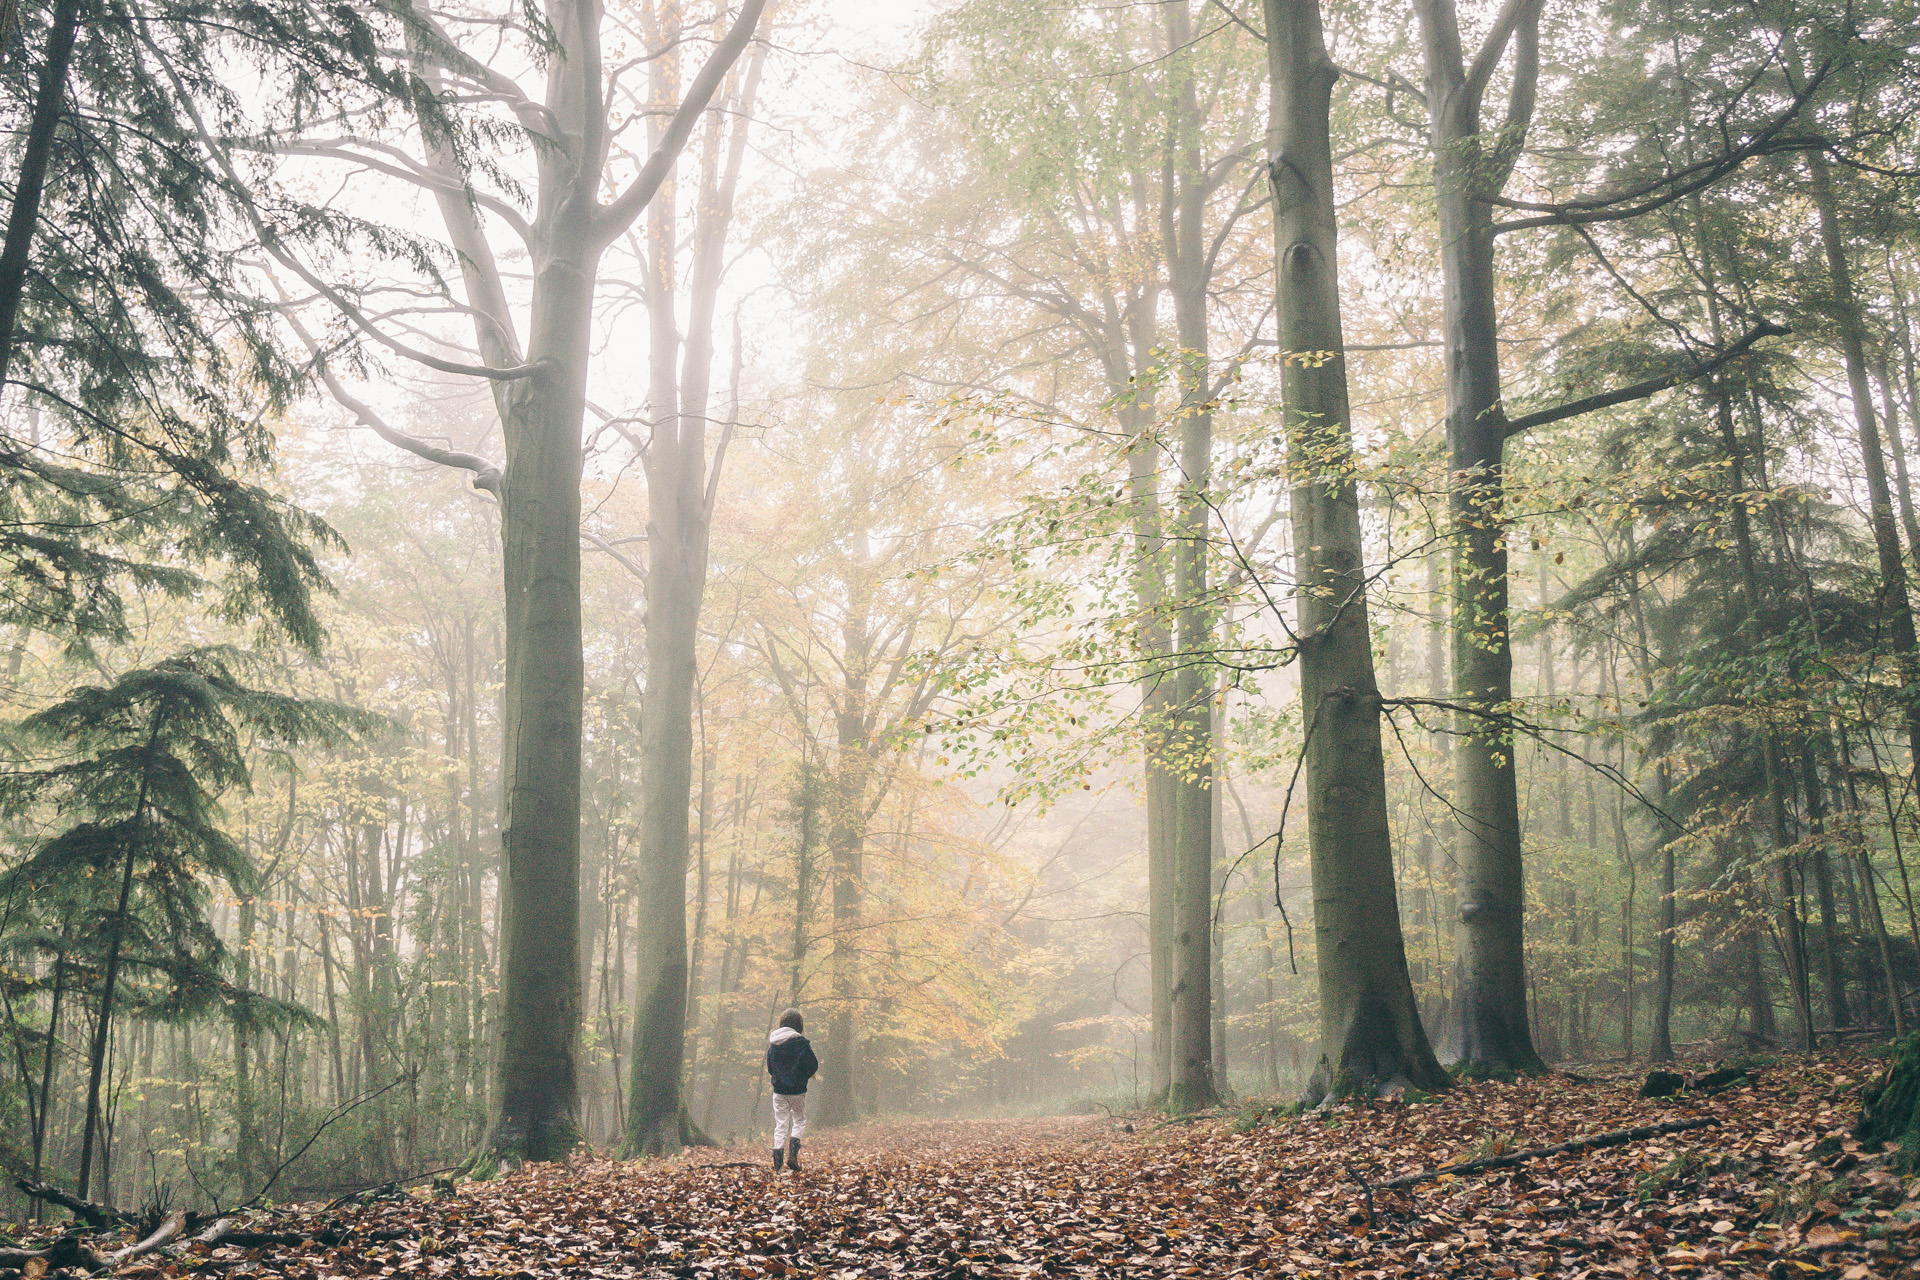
<point x="1615" y="1138"/>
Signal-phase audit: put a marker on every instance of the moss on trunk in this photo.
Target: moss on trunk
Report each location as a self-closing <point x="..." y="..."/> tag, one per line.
<point x="1892" y="1111"/>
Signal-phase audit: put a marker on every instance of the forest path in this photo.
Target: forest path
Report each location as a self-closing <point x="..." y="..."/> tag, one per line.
<point x="1770" y="1189"/>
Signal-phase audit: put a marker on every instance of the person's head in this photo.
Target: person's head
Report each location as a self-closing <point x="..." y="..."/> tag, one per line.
<point x="792" y="1020"/>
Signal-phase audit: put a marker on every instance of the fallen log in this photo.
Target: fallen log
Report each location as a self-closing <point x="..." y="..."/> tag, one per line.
<point x="1615" y="1138"/>
<point x="94" y="1215"/>
<point x="69" y="1251"/>
<point x="165" y="1234"/>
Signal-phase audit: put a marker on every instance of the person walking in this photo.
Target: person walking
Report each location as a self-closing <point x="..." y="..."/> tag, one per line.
<point x="791" y="1063"/>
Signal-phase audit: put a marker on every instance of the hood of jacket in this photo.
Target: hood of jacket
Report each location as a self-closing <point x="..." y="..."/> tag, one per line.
<point x="780" y="1035"/>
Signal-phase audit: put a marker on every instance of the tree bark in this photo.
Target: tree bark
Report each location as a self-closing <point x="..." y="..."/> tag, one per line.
<point x="1793" y="940"/>
<point x="1490" y="1025"/>
<point x="846" y="839"/>
<point x="97" y="1051"/>
<point x="681" y="487"/>
<point x="1217" y="925"/>
<point x="1192" y="1086"/>
<point x="1156" y="716"/>
<point x="29" y="185"/>
<point x="1895" y="608"/>
<point x="1369" y="1024"/>
<point x="1897" y="448"/>
<point x="1832" y="971"/>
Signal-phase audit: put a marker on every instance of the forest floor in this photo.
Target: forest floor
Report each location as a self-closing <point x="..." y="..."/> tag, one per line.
<point x="1773" y="1187"/>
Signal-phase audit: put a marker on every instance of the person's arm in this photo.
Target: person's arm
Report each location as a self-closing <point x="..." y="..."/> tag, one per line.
<point x="809" y="1064"/>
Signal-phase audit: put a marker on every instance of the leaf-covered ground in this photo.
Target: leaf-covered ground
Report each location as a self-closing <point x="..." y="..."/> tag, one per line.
<point x="1774" y="1188"/>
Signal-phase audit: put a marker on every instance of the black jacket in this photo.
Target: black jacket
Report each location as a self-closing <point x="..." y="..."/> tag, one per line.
<point x="791" y="1064"/>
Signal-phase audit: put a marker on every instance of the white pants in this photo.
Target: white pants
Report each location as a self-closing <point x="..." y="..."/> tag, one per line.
<point x="789" y="1118"/>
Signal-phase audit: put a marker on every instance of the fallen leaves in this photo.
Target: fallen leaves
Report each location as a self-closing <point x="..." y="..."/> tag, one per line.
<point x="1773" y="1188"/>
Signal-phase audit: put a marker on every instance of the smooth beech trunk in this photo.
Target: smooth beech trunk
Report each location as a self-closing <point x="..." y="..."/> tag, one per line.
<point x="1369" y="1023"/>
<point x="1192" y="1085"/>
<point x="846" y="843"/>
<point x="1896" y="611"/>
<point x="682" y="485"/>
<point x="1156" y="717"/>
<point x="1490" y="1025"/>
<point x="535" y="1071"/>
<point x="540" y="396"/>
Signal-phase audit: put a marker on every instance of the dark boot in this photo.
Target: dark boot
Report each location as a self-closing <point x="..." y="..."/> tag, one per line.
<point x="778" y="1156"/>
<point x="793" y="1154"/>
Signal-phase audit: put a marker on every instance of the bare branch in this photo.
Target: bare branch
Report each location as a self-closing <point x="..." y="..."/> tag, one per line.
<point x="616" y="216"/>
<point x="486" y="475"/>
<point x="270" y="241"/>
<point x="1641" y="390"/>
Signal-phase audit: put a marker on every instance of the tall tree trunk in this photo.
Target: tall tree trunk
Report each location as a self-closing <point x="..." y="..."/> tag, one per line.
<point x="1436" y="848"/>
<point x="1156" y="715"/>
<point x="1833" y="982"/>
<point x="247" y="1155"/>
<point x="696" y="963"/>
<point x="90" y="1130"/>
<point x="1660" y="1046"/>
<point x="1895" y="608"/>
<point x="23" y="219"/>
<point x="1897" y="448"/>
<point x="1192" y="1086"/>
<point x="1760" y="1020"/>
<point x="1217" y="925"/>
<point x="681" y="489"/>
<point x="1626" y="915"/>
<point x="1490" y="1025"/>
<point x="47" y="1061"/>
<point x="846" y="842"/>
<point x="1792" y="936"/>
<point x="1155" y="636"/>
<point x="1369" y="1024"/>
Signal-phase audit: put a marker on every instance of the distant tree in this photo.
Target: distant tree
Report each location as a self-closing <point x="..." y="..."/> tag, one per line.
<point x="129" y="775"/>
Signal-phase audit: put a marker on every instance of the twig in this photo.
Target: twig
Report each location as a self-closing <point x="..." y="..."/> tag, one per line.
<point x="1366" y="1188"/>
<point x="1616" y="1138"/>
<point x="726" y="1164"/>
<point x="340" y="1112"/>
<point x="394" y="1184"/>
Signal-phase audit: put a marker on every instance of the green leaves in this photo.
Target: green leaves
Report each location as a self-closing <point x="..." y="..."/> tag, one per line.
<point x="133" y="771"/>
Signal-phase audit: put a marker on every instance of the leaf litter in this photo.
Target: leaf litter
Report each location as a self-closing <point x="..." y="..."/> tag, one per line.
<point x="1775" y="1187"/>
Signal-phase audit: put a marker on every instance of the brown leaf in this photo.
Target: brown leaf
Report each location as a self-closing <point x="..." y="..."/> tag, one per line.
<point x="1822" y="1237"/>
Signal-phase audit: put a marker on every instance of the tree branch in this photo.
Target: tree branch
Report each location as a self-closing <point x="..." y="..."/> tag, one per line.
<point x="1641" y="390"/>
<point x="485" y="474"/>
<point x="1672" y="186"/>
<point x="625" y="561"/>
<point x="616" y="216"/>
<point x="1616" y="1138"/>
<point x="1512" y="14"/>
<point x="270" y="241"/>
<point x="404" y="168"/>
